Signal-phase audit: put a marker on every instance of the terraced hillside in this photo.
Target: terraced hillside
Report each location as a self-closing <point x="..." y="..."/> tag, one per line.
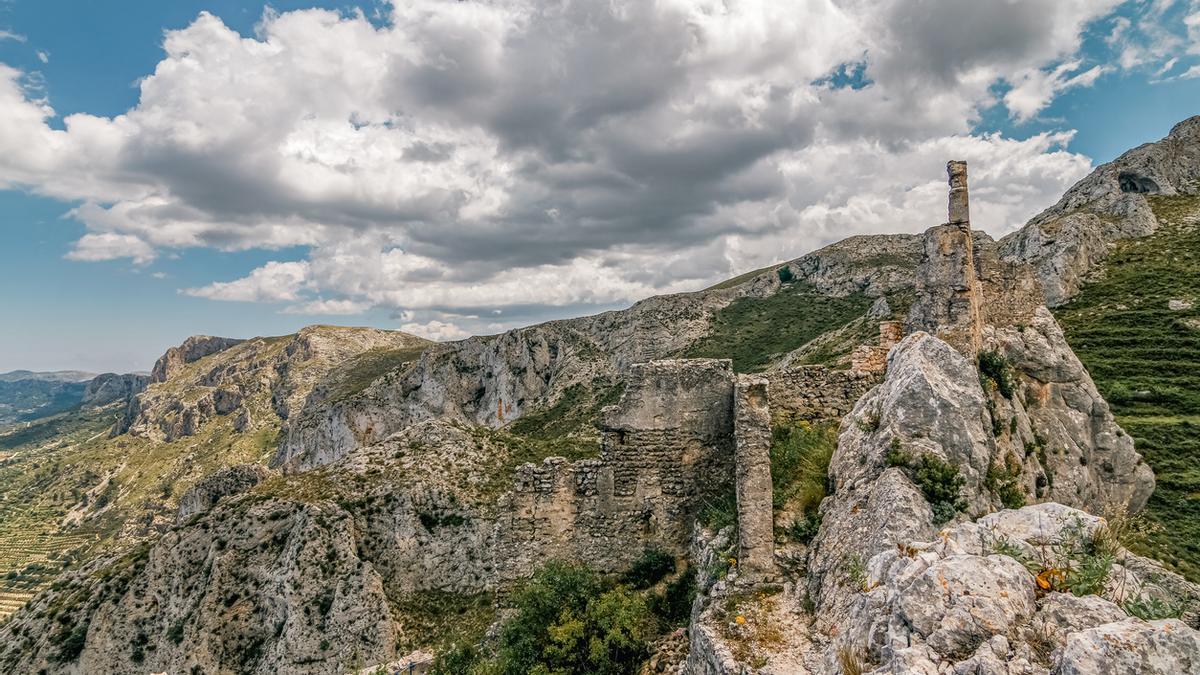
<point x="1136" y="326"/>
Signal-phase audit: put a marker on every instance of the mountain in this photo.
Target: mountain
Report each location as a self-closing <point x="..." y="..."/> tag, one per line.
<point x="911" y="453"/>
<point x="55" y="376"/>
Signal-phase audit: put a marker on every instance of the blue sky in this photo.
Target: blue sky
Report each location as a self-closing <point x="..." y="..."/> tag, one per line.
<point x="525" y="233"/>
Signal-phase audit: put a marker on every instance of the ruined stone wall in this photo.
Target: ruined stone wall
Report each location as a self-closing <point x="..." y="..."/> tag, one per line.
<point x="815" y="393"/>
<point x="873" y="358"/>
<point x="755" y="504"/>
<point x="666" y="449"/>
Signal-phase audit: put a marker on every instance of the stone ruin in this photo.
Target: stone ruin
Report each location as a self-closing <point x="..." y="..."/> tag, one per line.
<point x="963" y="284"/>
<point x="873" y="358"/>
<point x="688" y="432"/>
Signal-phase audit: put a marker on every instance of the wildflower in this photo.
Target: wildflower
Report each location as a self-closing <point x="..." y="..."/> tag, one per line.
<point x="740" y="620"/>
<point x="733" y="562"/>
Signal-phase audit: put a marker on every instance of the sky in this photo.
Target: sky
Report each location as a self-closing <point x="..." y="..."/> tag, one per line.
<point x="452" y="167"/>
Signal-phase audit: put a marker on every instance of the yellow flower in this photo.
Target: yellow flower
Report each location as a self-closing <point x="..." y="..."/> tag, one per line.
<point x="740" y="620"/>
<point x="733" y="561"/>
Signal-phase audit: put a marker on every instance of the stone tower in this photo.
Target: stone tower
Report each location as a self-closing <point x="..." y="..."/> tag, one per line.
<point x="948" y="288"/>
<point x="960" y="207"/>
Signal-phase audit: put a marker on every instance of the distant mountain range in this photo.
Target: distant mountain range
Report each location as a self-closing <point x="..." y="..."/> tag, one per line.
<point x="55" y="376"/>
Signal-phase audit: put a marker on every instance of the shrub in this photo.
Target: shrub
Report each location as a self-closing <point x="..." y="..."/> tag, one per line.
<point x="785" y="274"/>
<point x="995" y="367"/>
<point x="70" y="643"/>
<point x="856" y="571"/>
<point x="804" y="528"/>
<point x="1005" y="484"/>
<point x="568" y="622"/>
<point x="652" y="567"/>
<point x="1153" y="608"/>
<point x="938" y="480"/>
<point x="718" y="512"/>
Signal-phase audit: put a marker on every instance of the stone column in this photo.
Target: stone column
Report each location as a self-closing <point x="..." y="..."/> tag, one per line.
<point x="960" y="210"/>
<point x="752" y="430"/>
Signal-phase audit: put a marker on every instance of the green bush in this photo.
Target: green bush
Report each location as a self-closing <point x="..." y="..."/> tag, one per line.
<point x="1004" y="482"/>
<point x="995" y="367"/>
<point x="1153" y="608"/>
<point x="569" y="621"/>
<point x="785" y="275"/>
<point x="70" y="643"/>
<point x="652" y="567"/>
<point x="804" y="528"/>
<point x="937" y="479"/>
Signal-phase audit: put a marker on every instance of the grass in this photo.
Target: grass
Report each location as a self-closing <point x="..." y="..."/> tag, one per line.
<point x="1145" y="359"/>
<point x="800" y="457"/>
<point x="754" y="331"/>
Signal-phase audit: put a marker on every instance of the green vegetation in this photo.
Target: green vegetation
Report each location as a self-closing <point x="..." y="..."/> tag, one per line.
<point x="752" y="331"/>
<point x="938" y="480"/>
<point x="652" y="567"/>
<point x="995" y="368"/>
<point x="1005" y="483"/>
<point x="575" y="412"/>
<point x="800" y="457"/>
<point x="1145" y="358"/>
<point x="362" y="369"/>
<point x="569" y="620"/>
<point x="719" y="512"/>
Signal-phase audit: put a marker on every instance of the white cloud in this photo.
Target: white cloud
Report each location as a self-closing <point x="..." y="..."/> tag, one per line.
<point x="1034" y="90"/>
<point x="473" y="156"/>
<point x="9" y="35"/>
<point x="43" y="56"/>
<point x="329" y="307"/>
<point x="273" y="282"/>
<point x="111" y="246"/>
<point x="435" y="330"/>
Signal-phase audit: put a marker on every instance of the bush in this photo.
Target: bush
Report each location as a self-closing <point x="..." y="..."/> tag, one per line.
<point x="995" y="367"/>
<point x="718" y="512"/>
<point x="785" y="275"/>
<point x="1005" y="484"/>
<point x="568" y="621"/>
<point x="652" y="567"/>
<point x="804" y="528"/>
<point x="70" y="644"/>
<point x="937" y="479"/>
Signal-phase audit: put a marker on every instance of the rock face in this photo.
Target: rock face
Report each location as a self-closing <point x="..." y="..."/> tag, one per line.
<point x="193" y="349"/>
<point x="231" y="481"/>
<point x="265" y="586"/>
<point x="956" y="605"/>
<point x="1067" y="240"/>
<point x="1132" y="646"/>
<point x="259" y="381"/>
<point x="111" y="387"/>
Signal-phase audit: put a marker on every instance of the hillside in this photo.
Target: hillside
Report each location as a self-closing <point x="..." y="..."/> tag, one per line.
<point x="108" y="475"/>
<point x="1136" y="325"/>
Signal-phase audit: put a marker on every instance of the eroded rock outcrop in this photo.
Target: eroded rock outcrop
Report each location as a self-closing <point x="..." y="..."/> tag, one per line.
<point x="1069" y="239"/>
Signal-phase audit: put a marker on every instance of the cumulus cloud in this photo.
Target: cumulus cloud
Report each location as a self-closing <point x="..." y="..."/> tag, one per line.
<point x="470" y="157"/>
<point x="273" y="282"/>
<point x="435" y="330"/>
